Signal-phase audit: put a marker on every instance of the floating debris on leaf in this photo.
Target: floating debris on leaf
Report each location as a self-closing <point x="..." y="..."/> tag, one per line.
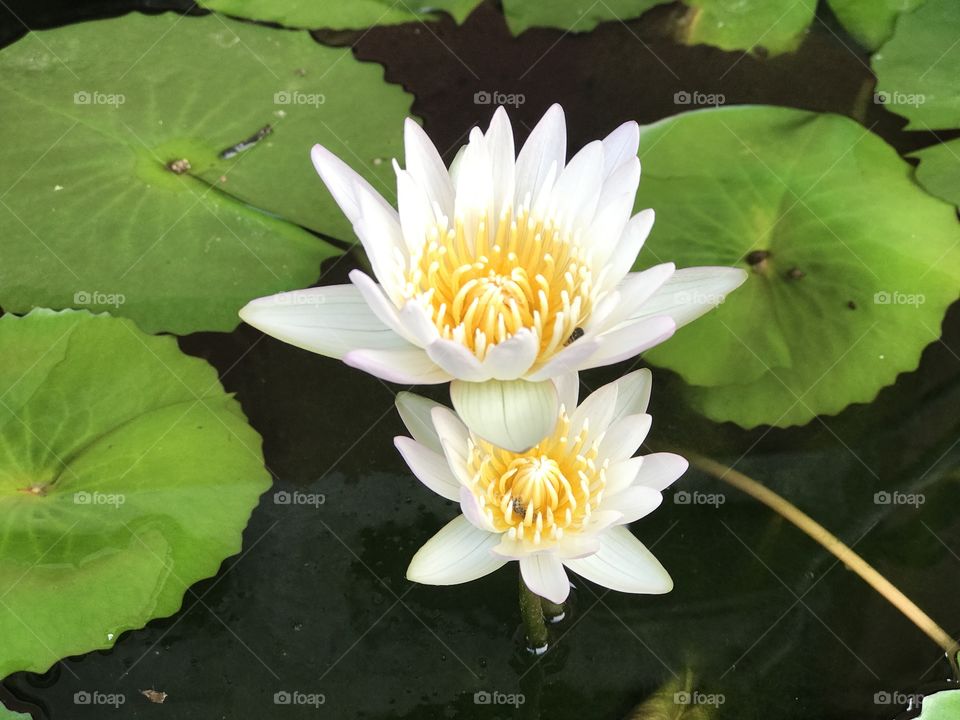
<point x="235" y="150"/>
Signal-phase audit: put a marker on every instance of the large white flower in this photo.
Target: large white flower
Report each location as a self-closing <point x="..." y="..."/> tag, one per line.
<point x="564" y="502"/>
<point x="500" y="274"/>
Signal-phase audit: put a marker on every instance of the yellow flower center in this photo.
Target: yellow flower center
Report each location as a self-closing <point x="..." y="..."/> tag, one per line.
<point x="480" y="287"/>
<point x="538" y="495"/>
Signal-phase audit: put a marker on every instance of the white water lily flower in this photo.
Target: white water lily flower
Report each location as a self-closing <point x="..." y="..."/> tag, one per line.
<point x="501" y="274"/>
<point x="564" y="502"/>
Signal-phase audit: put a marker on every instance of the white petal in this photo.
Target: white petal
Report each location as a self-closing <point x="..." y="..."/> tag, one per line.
<point x="624" y="437"/>
<point x="409" y="366"/>
<point x="632" y="292"/>
<point x="544" y="575"/>
<point x="329" y="320"/>
<point x="617" y="197"/>
<point x="417" y="323"/>
<point x="431" y="468"/>
<point x="691" y="292"/>
<point x="512" y="358"/>
<point x="577" y="192"/>
<point x="620" y="146"/>
<point x="623" y="563"/>
<point x="514" y="414"/>
<point x="499" y="140"/>
<point x="633" y="394"/>
<point x="470" y="507"/>
<point x="344" y="184"/>
<point x="568" y="390"/>
<point x="633" y="503"/>
<point x="474" y="188"/>
<point x="660" y="470"/>
<point x="415" y="412"/>
<point x="628" y="247"/>
<point x="457" y="360"/>
<point x="417" y="216"/>
<point x="546" y="147"/>
<point x="457" y="554"/>
<point x="380" y="304"/>
<point x="596" y="410"/>
<point x="382" y="238"/>
<point x="577" y="545"/>
<point x="629" y="340"/>
<point x="569" y="360"/>
<point x="423" y="162"/>
<point x="453" y="436"/>
<point x="621" y="474"/>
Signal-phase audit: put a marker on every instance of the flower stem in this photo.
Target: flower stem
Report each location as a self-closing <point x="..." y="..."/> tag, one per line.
<point x="834" y="545"/>
<point x="531" y="608"/>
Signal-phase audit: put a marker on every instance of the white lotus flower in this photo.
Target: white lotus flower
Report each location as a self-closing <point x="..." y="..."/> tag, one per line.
<point x="564" y="502"/>
<point x="500" y="274"/>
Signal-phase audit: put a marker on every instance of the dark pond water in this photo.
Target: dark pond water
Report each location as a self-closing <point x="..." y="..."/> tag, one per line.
<point x="317" y="602"/>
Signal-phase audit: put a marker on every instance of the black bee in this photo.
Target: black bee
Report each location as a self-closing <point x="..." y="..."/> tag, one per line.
<point x="574" y="336"/>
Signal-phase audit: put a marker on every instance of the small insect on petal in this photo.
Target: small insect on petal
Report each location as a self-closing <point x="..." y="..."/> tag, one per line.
<point x="574" y="336"/>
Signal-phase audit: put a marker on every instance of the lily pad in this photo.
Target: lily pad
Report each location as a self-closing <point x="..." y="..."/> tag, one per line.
<point x="772" y="25"/>
<point x="851" y="264"/>
<point x="944" y="705"/>
<point x="871" y="21"/>
<point x="6" y="714"/>
<point x="351" y="15"/>
<point x="126" y="475"/>
<point x="917" y="69"/>
<point x="939" y="170"/>
<point x="99" y="209"/>
<point x="572" y="15"/>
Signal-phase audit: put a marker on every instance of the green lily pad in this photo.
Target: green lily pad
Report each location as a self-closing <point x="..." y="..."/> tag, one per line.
<point x="126" y="475"/>
<point x="11" y="715"/>
<point x="94" y="218"/>
<point x="871" y="21"/>
<point x="944" y="705"/>
<point x="851" y="265"/>
<point x="774" y="25"/>
<point x="917" y="68"/>
<point x="351" y="15"/>
<point x="939" y="170"/>
<point x="572" y="15"/>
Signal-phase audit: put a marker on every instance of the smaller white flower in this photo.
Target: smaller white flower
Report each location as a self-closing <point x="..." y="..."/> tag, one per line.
<point x="563" y="503"/>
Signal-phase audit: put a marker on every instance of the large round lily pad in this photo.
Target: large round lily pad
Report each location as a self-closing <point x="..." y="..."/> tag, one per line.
<point x="126" y="475"/>
<point x="944" y="705"/>
<point x="353" y="14"/>
<point x="772" y="25"/>
<point x="917" y="69"/>
<point x="871" y="21"/>
<point x="572" y="15"/>
<point x="851" y="264"/>
<point x="93" y="217"/>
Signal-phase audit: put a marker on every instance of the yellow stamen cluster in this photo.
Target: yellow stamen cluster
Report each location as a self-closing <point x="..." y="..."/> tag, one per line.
<point x="482" y="285"/>
<point x="538" y="495"/>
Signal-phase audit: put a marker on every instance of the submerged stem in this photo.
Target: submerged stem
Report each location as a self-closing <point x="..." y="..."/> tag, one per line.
<point x="531" y="609"/>
<point x="834" y="545"/>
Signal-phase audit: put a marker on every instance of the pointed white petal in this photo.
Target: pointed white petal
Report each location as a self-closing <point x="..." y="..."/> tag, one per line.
<point x="514" y="414"/>
<point x="431" y="468"/>
<point x="628" y="247"/>
<point x="569" y="360"/>
<point x="457" y="554"/>
<point x="453" y="440"/>
<point x="617" y="197"/>
<point x="409" y="366"/>
<point x="382" y="238"/>
<point x="633" y="503"/>
<point x="423" y="162"/>
<point x="415" y="412"/>
<point x="380" y="304"/>
<point x="329" y="320"/>
<point x="629" y="340"/>
<point x="457" y="360"/>
<point x="344" y="183"/>
<point x="596" y="410"/>
<point x="546" y="146"/>
<point x="499" y="140"/>
<point x="568" y="390"/>
<point x="623" y="563"/>
<point x="577" y="545"/>
<point x="633" y="394"/>
<point x="632" y="292"/>
<point x="660" y="470"/>
<point x="474" y="188"/>
<point x="624" y="437"/>
<point x="470" y="507"/>
<point x="621" y="474"/>
<point x="512" y="358"/>
<point x="691" y="292"/>
<point x="417" y="216"/>
<point x="620" y="146"/>
<point x="544" y="575"/>
<point x="577" y="192"/>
